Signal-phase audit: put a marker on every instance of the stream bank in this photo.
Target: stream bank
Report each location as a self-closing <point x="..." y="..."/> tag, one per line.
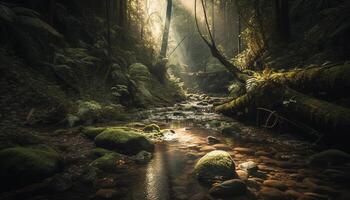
<point x="272" y="165"/>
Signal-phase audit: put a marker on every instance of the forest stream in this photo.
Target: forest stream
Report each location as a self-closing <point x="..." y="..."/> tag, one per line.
<point x="272" y="164"/>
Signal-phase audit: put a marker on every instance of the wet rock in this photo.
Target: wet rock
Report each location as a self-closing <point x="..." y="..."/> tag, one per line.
<point x="275" y="184"/>
<point x="253" y="183"/>
<point x="248" y="166"/>
<point x="142" y="157"/>
<point x="243" y="175"/>
<point x="292" y="195"/>
<point x="23" y="165"/>
<point x="109" y="163"/>
<point x="107" y="194"/>
<point x="151" y="128"/>
<point x="214" y="164"/>
<point x="223" y="147"/>
<point x="262" y="153"/>
<point x="60" y="183"/>
<point x="104" y="183"/>
<point x="337" y="175"/>
<point x="231" y="131"/>
<point x="329" y="157"/>
<point x="199" y="196"/>
<point x="258" y="174"/>
<point x="207" y="149"/>
<point x="214" y="124"/>
<point x="212" y="140"/>
<point x="313" y="196"/>
<point x="242" y="150"/>
<point x="268" y="193"/>
<point x="92" y="132"/>
<point x="89" y="175"/>
<point x="123" y="140"/>
<point x="234" y="187"/>
<point x="99" y="152"/>
<point x="181" y="197"/>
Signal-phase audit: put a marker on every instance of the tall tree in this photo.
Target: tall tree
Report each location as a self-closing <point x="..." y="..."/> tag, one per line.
<point x="282" y="19"/>
<point x="166" y="32"/>
<point x="108" y="20"/>
<point x="52" y="10"/>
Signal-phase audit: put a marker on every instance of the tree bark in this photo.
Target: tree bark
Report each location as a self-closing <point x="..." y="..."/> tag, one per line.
<point x="329" y="119"/>
<point x="108" y="21"/>
<point x="52" y="10"/>
<point x="165" y="40"/>
<point x="282" y="19"/>
<point x="328" y="82"/>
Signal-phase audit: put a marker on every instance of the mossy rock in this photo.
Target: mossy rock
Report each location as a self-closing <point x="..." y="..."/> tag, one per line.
<point x="123" y="140"/>
<point x="213" y="165"/>
<point x="329" y="157"/>
<point x="109" y="162"/>
<point x="99" y="152"/>
<point x="139" y="72"/>
<point x="151" y="128"/>
<point x="24" y="165"/>
<point x="92" y="132"/>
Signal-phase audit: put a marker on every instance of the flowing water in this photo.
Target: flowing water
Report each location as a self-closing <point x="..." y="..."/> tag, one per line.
<point x="169" y="175"/>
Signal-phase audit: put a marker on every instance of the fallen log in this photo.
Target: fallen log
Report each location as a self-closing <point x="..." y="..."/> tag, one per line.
<point x="329" y="119"/>
<point x="327" y="82"/>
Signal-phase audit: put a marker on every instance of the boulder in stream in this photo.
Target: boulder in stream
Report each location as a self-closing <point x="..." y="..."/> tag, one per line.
<point x="234" y="187"/>
<point x="124" y="140"/>
<point x="215" y="164"/>
<point x="24" y="165"/>
<point x="329" y="157"/>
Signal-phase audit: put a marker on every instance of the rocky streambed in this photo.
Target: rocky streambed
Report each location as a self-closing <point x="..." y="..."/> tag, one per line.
<point x="194" y="155"/>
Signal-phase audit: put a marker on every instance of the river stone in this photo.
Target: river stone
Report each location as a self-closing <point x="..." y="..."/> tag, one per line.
<point x="313" y="196"/>
<point x="247" y="151"/>
<point x="291" y="194"/>
<point x="275" y="184"/>
<point x="223" y="147"/>
<point x="107" y="194"/>
<point x="23" y="165"/>
<point x="215" y="164"/>
<point x="109" y="162"/>
<point x="329" y="157"/>
<point x="248" y="166"/>
<point x="207" y="148"/>
<point x="212" y="140"/>
<point x="267" y="193"/>
<point x="142" y="157"/>
<point x="234" y="187"/>
<point x="231" y="131"/>
<point x="123" y="140"/>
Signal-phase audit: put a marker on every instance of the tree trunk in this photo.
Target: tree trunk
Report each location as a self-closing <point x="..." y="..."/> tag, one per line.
<point x="108" y="21"/>
<point x="165" y="40"/>
<point x="282" y="19"/>
<point x="329" y="119"/>
<point x="329" y="82"/>
<point x="52" y="10"/>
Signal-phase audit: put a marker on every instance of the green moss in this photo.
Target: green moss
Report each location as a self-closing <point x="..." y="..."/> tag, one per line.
<point x="139" y="72"/>
<point x="123" y="140"/>
<point x="22" y="165"/>
<point x="151" y="128"/>
<point x="94" y="111"/>
<point x="108" y="162"/>
<point x="92" y="132"/>
<point x="99" y="152"/>
<point x="215" y="164"/>
<point x="214" y="123"/>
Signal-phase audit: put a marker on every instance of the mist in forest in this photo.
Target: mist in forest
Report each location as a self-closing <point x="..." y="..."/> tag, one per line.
<point x="174" y="99"/>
